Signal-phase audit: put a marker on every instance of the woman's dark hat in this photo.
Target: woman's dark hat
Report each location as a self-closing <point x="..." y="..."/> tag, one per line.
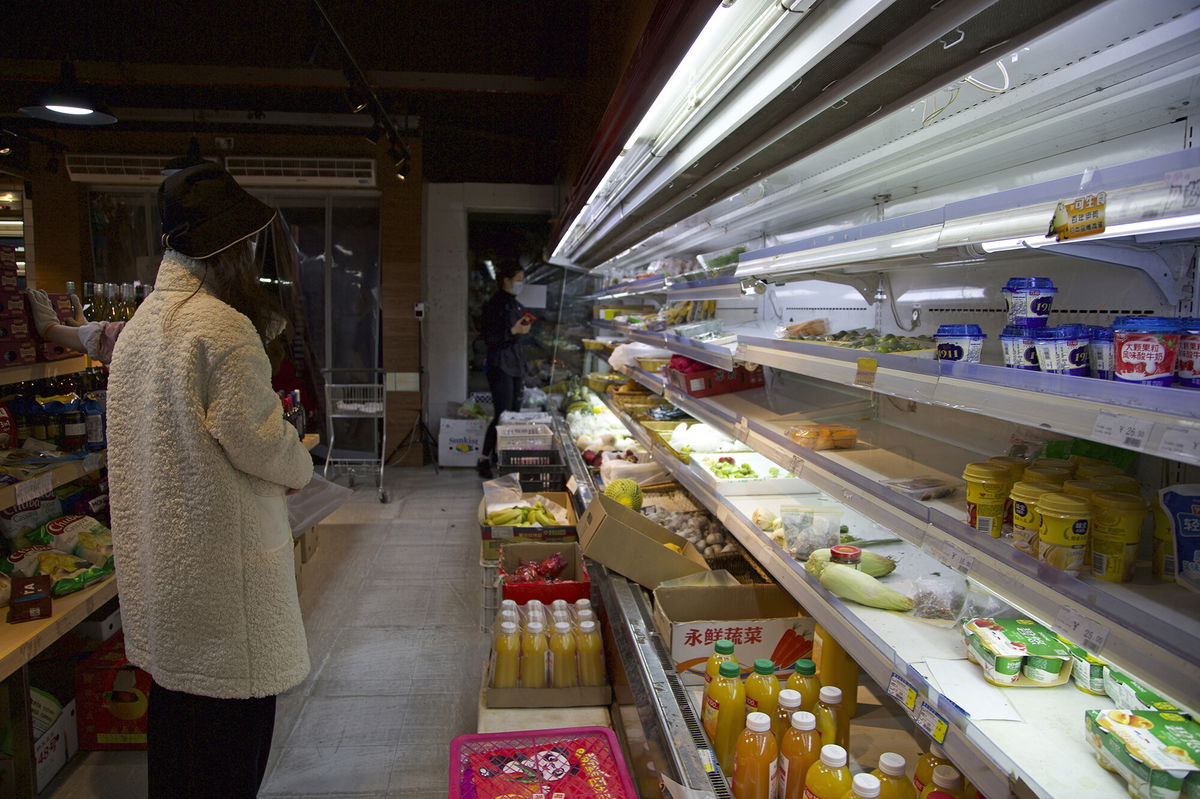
<point x="205" y="211"/>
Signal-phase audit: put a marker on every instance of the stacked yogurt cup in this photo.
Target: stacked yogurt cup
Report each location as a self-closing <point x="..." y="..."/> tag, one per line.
<point x="1026" y="340"/>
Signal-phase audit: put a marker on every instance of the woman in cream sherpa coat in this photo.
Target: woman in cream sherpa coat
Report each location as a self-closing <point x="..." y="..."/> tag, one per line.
<point x="200" y="460"/>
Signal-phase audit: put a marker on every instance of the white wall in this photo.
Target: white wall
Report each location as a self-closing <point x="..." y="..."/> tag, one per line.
<point x="444" y="277"/>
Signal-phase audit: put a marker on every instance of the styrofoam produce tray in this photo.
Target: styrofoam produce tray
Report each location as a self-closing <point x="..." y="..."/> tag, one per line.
<point x="785" y="483"/>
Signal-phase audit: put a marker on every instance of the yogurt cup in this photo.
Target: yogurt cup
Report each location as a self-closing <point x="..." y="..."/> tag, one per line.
<point x="988" y="487"/>
<point x="1144" y="349"/>
<point x="1187" y="359"/>
<point x="1100" y="352"/>
<point x="1024" y="496"/>
<point x="1087" y="672"/>
<point x="1063" y="524"/>
<point x="1116" y="533"/>
<point x="1046" y="474"/>
<point x="1019" y="349"/>
<point x="959" y="343"/>
<point x="1063" y="350"/>
<point x="1029" y="300"/>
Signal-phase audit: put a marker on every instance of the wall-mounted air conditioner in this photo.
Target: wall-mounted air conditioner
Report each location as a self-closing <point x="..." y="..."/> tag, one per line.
<point x="317" y="172"/>
<point x="116" y="170"/>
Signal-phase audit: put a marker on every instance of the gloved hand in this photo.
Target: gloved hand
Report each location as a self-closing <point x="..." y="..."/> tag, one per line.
<point x="44" y="316"/>
<point x="77" y="318"/>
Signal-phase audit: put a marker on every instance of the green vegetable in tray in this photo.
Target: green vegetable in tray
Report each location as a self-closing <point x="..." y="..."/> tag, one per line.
<point x="858" y="586"/>
<point x="726" y="468"/>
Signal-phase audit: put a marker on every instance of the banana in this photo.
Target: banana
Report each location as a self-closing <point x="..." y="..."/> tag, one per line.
<point x="502" y="518"/>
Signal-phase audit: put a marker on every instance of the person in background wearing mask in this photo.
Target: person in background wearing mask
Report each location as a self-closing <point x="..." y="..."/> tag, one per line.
<point x="504" y="322"/>
<point x="200" y="460"/>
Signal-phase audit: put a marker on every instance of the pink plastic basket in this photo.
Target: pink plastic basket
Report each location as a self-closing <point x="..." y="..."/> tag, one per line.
<point x="576" y="762"/>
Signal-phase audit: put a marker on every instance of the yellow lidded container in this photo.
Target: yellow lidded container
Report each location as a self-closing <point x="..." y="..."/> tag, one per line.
<point x="1055" y="463"/>
<point x="1116" y="531"/>
<point x="1016" y="466"/>
<point x="1087" y="471"/>
<point x="988" y="486"/>
<point x="1046" y="474"/>
<point x="1024" y="498"/>
<point x="1121" y="483"/>
<point x="1083" y="488"/>
<point x="1064" y="521"/>
<point x="1162" y="557"/>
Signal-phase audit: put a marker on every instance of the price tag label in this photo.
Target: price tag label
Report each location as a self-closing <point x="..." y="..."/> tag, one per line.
<point x="956" y="558"/>
<point x="1083" y="216"/>
<point x="34" y="487"/>
<point x="706" y="757"/>
<point x="1081" y="630"/>
<point x="1121" y="430"/>
<point x="865" y="376"/>
<point x="742" y="431"/>
<point x="932" y="722"/>
<point x="1183" y="190"/>
<point x="796" y="465"/>
<point x="572" y="484"/>
<point x="93" y="462"/>
<point x="1181" y="442"/>
<point x="900" y="690"/>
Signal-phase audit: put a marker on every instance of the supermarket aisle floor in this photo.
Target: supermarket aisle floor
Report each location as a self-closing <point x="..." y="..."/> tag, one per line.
<point x="391" y="604"/>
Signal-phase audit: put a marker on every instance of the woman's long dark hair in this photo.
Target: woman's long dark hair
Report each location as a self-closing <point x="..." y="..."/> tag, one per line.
<point x="232" y="277"/>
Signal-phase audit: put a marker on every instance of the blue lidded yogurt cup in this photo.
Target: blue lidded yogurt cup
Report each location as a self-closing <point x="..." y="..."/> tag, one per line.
<point x="1064" y="349"/>
<point x="1100" y="352"/>
<point x="959" y="343"/>
<point x="1019" y="348"/>
<point x="1029" y="300"/>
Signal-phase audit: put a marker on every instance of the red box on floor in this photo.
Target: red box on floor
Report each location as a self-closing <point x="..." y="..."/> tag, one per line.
<point x="112" y="698"/>
<point x="579" y="585"/>
<point x="710" y="382"/>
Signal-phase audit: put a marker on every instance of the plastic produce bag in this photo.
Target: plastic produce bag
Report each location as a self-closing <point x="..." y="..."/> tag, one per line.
<point x="641" y="473"/>
<point x="504" y="489"/>
<point x="627" y="354"/>
<point x="938" y="597"/>
<point x="978" y="604"/>
<point x="807" y="529"/>
<point x="315" y="502"/>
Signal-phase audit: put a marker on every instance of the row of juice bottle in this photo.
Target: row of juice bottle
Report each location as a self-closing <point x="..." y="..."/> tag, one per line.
<point x="536" y="647"/>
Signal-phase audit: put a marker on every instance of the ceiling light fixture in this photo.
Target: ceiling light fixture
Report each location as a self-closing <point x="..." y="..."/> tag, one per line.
<point x="69" y="104"/>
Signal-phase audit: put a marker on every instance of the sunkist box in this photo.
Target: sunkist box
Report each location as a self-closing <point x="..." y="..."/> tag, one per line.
<point x="112" y="698"/>
<point x="496" y="537"/>
<point x="577" y="585"/>
<point x="631" y="545"/>
<point x="460" y="441"/>
<point x="762" y="621"/>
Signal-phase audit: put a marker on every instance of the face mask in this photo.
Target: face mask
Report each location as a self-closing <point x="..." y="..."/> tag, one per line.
<point x="517" y="287"/>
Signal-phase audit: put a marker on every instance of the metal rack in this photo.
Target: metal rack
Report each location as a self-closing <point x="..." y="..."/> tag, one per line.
<point x="357" y="401"/>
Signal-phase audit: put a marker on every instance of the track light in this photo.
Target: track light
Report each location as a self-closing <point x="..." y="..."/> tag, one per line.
<point x="402" y="168"/>
<point x="68" y="103"/>
<point x="376" y="132"/>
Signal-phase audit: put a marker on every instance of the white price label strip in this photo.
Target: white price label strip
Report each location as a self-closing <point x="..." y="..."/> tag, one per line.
<point x="1181" y="442"/>
<point x="34" y="487"/>
<point x="932" y="722"/>
<point x="954" y="557"/>
<point x="1080" y="630"/>
<point x="1122" y="430"/>
<point x="900" y="690"/>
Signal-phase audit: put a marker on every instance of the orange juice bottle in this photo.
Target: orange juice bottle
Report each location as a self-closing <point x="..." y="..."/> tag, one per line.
<point x="755" y="759"/>
<point x="722" y="652"/>
<point x="828" y="778"/>
<point x="926" y="763"/>
<point x="836" y="668"/>
<point x="863" y="786"/>
<point x="762" y="689"/>
<point x="564" y="673"/>
<point x="799" y="750"/>
<point x="789" y="703"/>
<point x="507" y="646"/>
<point x="724" y="714"/>
<point x="832" y="723"/>
<point x="893" y="777"/>
<point x="804" y="680"/>
<point x="947" y="784"/>
<point x="534" y="647"/>
<point x="591" y="654"/>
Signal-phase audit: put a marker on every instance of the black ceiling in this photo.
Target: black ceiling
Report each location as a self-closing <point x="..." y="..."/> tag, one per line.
<point x="491" y="81"/>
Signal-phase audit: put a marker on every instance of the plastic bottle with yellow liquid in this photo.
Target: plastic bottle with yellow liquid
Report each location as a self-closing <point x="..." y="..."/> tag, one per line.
<point x="803" y="680"/>
<point x="832" y="722"/>
<point x="863" y="786"/>
<point x="762" y="689"/>
<point x="724" y="714"/>
<point x="947" y="784"/>
<point x="564" y="672"/>
<point x="590" y="649"/>
<point x="836" y="668"/>
<point x="926" y="763"/>
<point x="722" y="653"/>
<point x="507" y="646"/>
<point x="789" y="703"/>
<point x="798" y="751"/>
<point x="755" y="760"/>
<point x="534" y="648"/>
<point x="828" y="778"/>
<point x="893" y="777"/>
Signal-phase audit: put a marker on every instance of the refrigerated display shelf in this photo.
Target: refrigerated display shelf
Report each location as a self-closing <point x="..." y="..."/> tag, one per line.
<point x="709" y="288"/>
<point x="1158" y="421"/>
<point x="1124" y="621"/>
<point x="653" y="381"/>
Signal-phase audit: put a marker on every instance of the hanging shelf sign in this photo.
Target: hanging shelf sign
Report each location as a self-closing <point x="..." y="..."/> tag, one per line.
<point x="1078" y="218"/>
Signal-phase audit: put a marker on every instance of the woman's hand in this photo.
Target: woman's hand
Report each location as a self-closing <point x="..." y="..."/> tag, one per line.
<point x="521" y="327"/>
<point x="44" y="316"/>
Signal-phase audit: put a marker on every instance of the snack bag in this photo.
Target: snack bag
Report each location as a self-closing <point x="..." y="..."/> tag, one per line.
<point x="23" y="562"/>
<point x="18" y="519"/>
<point x="63" y="533"/>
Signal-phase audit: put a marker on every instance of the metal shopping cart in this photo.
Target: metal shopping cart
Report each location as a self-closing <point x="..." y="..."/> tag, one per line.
<point x="344" y="400"/>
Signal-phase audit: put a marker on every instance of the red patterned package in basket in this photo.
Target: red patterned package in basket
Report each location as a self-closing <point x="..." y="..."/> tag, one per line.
<point x="569" y="769"/>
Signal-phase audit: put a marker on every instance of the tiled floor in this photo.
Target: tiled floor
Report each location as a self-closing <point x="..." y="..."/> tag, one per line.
<point x="392" y="606"/>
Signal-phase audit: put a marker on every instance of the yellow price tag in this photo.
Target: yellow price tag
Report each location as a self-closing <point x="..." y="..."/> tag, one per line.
<point x="865" y="376"/>
<point x="910" y="699"/>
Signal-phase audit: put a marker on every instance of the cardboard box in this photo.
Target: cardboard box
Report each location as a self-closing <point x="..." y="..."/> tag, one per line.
<point x="103" y="624"/>
<point x="543" y="697"/>
<point x="15" y="328"/>
<point x="711" y="382"/>
<point x="111" y="697"/>
<point x="15" y="352"/>
<point x="558" y="533"/>
<point x="632" y="545"/>
<point x="12" y="303"/>
<point x="54" y="747"/>
<point x="579" y="587"/>
<point x="489" y="549"/>
<point x="763" y="621"/>
<point x="460" y="441"/>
